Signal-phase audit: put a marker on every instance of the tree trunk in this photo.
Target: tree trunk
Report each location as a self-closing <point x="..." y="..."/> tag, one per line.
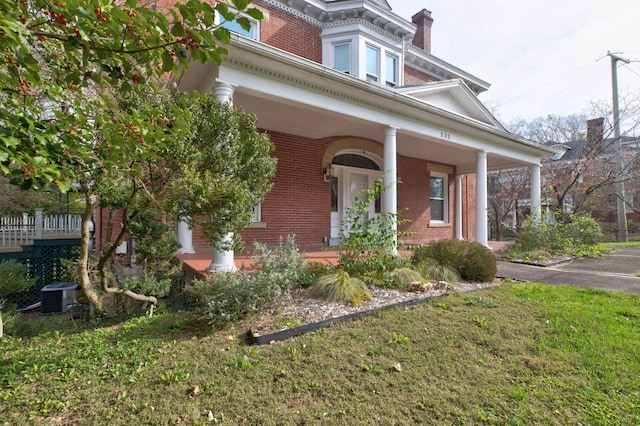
<point x="83" y="262"/>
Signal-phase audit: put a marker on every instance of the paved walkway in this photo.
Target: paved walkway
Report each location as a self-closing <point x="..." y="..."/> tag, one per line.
<point x="615" y="272"/>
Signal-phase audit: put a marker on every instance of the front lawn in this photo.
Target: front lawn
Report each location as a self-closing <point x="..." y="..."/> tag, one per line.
<point x="515" y="354"/>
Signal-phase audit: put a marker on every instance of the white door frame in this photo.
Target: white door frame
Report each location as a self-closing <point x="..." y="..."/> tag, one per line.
<point x="344" y="175"/>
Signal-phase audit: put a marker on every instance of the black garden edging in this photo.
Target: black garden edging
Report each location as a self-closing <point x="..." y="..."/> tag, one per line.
<point x="281" y="335"/>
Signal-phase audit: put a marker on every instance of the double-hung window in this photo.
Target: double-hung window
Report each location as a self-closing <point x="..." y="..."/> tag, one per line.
<point x="438" y="198"/>
<point x="391" y="70"/>
<point x="373" y="64"/>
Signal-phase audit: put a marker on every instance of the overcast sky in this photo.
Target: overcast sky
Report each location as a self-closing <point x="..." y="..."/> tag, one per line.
<point x="540" y="57"/>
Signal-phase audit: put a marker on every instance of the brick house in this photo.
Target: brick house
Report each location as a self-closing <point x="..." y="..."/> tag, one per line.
<point x="349" y="92"/>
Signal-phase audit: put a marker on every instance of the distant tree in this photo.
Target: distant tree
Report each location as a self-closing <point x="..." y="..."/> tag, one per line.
<point x="507" y="189"/>
<point x="14" y="201"/>
<point x="576" y="182"/>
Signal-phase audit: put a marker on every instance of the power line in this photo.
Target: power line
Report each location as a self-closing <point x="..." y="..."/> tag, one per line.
<point x="558" y="92"/>
<point x="629" y="68"/>
<point x="535" y="89"/>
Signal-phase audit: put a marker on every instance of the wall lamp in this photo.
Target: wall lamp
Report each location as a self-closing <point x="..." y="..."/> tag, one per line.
<point x="328" y="174"/>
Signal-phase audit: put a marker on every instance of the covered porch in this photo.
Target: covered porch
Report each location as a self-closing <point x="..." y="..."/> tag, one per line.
<point x="314" y="113"/>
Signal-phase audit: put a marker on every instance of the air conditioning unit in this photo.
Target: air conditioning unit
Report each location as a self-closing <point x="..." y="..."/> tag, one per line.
<point x="57" y="297"/>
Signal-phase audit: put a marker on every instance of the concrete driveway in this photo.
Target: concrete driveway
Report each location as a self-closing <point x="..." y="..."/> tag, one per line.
<point x="615" y="272"/>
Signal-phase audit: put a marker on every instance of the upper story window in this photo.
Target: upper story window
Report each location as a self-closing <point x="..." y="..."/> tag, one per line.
<point x="233" y="26"/>
<point x="391" y="70"/>
<point x="373" y="64"/>
<point x="352" y="50"/>
<point x="342" y="57"/>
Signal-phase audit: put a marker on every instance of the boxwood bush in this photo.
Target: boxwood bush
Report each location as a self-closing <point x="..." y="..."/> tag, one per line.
<point x="472" y="260"/>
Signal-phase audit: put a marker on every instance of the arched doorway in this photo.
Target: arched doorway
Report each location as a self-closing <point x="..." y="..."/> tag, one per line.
<point x="353" y="171"/>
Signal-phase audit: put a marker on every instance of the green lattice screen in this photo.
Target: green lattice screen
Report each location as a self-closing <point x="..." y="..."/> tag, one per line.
<point x="43" y="258"/>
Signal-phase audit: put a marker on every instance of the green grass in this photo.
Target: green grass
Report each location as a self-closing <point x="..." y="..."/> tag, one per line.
<point x="621" y="244"/>
<point x="515" y="354"/>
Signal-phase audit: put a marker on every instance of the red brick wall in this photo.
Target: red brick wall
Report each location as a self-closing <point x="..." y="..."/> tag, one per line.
<point x="412" y="76"/>
<point x="413" y="203"/>
<point x="299" y="202"/>
<point x="286" y="32"/>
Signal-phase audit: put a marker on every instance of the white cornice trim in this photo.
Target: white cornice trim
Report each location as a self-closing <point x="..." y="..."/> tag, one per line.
<point x="294" y="70"/>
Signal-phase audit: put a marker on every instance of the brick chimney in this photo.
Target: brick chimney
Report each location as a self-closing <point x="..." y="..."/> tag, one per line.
<point x="595" y="135"/>
<point x="423" y="21"/>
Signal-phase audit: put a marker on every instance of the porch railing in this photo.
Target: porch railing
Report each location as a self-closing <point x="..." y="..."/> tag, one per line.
<point x="17" y="231"/>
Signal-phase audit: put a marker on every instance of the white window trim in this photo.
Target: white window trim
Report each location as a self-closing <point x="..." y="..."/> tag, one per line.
<point x="445" y="188"/>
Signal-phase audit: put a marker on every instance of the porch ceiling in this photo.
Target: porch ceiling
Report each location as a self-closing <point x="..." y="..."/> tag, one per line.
<point x="315" y="122"/>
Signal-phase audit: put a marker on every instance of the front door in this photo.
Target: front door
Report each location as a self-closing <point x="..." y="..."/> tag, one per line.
<point x="346" y="186"/>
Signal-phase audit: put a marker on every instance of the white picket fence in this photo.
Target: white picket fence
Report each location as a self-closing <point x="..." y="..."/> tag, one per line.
<point x="16" y="231"/>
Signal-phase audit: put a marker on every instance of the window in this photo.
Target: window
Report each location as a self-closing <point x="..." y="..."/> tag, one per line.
<point x="391" y="71"/>
<point x="342" y="57"/>
<point x="236" y="28"/>
<point x="373" y="64"/>
<point x="438" y="192"/>
<point x="257" y="214"/>
<point x="334" y="194"/>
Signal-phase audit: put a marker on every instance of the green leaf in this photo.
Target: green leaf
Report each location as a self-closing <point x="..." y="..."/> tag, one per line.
<point x="244" y="22"/>
<point x="222" y="34"/>
<point x="255" y="13"/>
<point x="241" y="4"/>
<point x="224" y="12"/>
<point x="167" y="61"/>
<point x="119" y="14"/>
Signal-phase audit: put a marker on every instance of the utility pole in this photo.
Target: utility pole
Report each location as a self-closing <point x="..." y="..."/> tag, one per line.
<point x="620" y="196"/>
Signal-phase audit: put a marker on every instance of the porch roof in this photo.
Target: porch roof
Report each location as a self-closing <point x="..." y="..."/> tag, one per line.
<point x="293" y="95"/>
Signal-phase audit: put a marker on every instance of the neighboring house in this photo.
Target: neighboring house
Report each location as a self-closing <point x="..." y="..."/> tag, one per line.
<point x="348" y="90"/>
<point x="585" y="171"/>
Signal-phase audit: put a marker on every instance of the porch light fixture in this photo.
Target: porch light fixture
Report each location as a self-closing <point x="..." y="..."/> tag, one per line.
<point x="328" y="174"/>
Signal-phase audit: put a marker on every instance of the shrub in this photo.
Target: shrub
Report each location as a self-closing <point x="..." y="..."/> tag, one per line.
<point x="367" y="243"/>
<point x="582" y="230"/>
<point x="339" y="287"/>
<point x="472" y="260"/>
<point x="229" y="297"/>
<point x="283" y="266"/>
<point x="577" y="235"/>
<point x="147" y="284"/>
<point x="14" y="277"/>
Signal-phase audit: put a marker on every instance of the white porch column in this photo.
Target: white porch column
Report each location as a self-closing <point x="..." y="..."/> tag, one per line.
<point x="459" y="207"/>
<point x="535" y="193"/>
<point x="481" y="199"/>
<point x="390" y="180"/>
<point x="185" y="238"/>
<point x="223" y="260"/>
